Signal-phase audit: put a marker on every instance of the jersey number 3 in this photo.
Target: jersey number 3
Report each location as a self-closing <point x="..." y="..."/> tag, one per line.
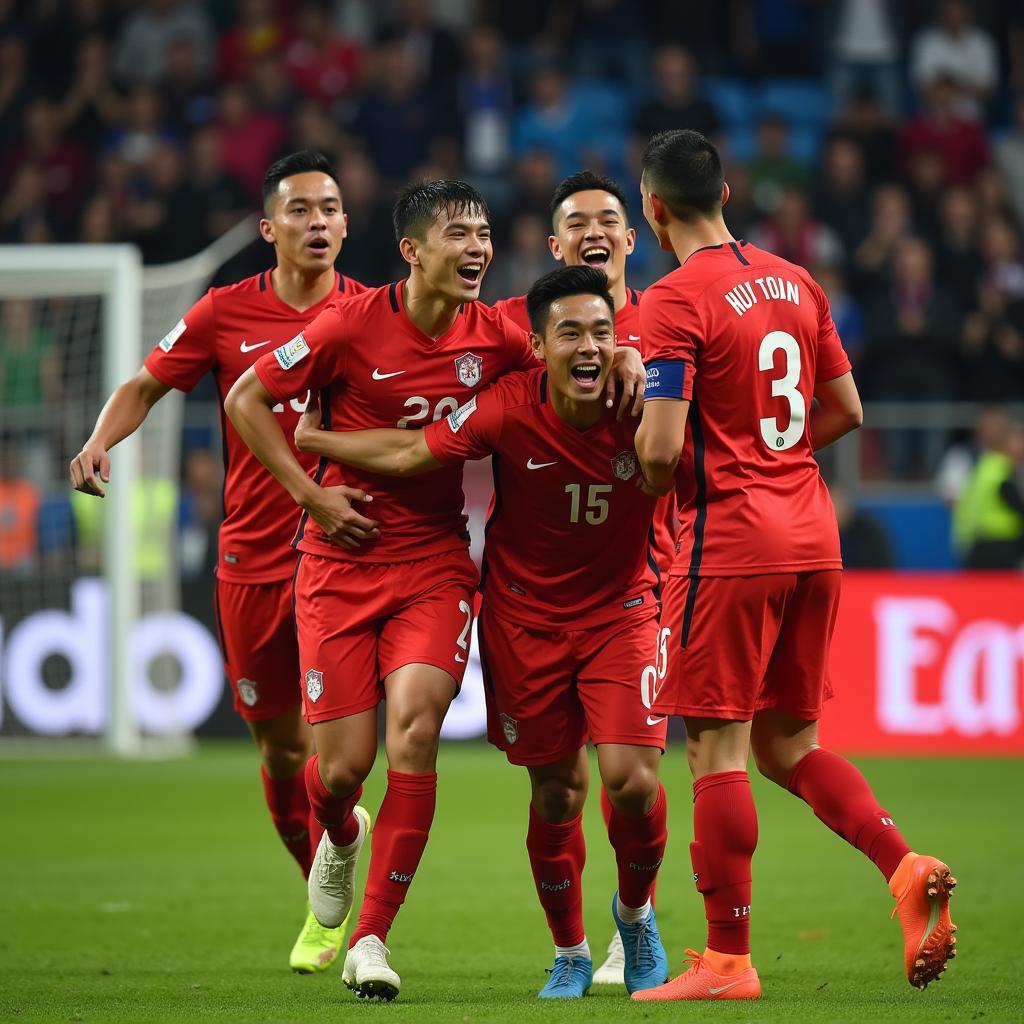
<point x="786" y="387"/>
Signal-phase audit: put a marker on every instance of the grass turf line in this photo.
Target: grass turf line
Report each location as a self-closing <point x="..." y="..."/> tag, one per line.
<point x="159" y="892"/>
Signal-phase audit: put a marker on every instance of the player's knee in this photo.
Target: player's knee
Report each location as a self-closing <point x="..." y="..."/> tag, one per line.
<point x="633" y="791"/>
<point x="282" y="759"/>
<point x="776" y="759"/>
<point x="558" y="800"/>
<point x="342" y="776"/>
<point x="415" y="733"/>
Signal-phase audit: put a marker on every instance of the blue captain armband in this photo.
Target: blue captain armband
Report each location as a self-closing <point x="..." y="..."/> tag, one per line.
<point x="665" y="379"/>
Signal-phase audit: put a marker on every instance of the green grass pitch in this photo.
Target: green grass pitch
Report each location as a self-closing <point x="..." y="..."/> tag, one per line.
<point x="158" y="892"/>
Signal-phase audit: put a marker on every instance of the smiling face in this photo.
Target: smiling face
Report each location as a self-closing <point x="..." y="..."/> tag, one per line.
<point x="577" y="347"/>
<point x="453" y="255"/>
<point x="306" y="223"/>
<point x="591" y="230"/>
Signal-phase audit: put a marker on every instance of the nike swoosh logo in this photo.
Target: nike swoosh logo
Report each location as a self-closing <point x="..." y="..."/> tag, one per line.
<point x="460" y="659"/>
<point x="246" y="347"/>
<point x="651" y="720"/>
<point x="539" y="465"/>
<point x="723" y="988"/>
<point x="634" y="337"/>
<point x="377" y="375"/>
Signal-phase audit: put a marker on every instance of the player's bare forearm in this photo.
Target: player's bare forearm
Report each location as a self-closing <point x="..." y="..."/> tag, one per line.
<point x="659" y="442"/>
<point x="836" y="411"/>
<point x="627" y="371"/>
<point x="123" y="414"/>
<point x="249" y="406"/>
<point x="386" y="451"/>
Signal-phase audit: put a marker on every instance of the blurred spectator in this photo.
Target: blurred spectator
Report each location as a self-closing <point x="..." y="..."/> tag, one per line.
<point x="270" y="87"/>
<point x="773" y="168"/>
<point x="92" y="105"/>
<point x="606" y="40"/>
<point x="777" y="37"/>
<point x="321" y="64"/>
<point x="23" y="213"/>
<point x="201" y="512"/>
<point x="957" y="465"/>
<point x="676" y="103"/>
<point x="433" y="52"/>
<point x="960" y="52"/>
<point x="369" y="253"/>
<point x="869" y="124"/>
<point x="258" y="31"/>
<point x="988" y="518"/>
<point x="140" y="54"/>
<point x="914" y="330"/>
<point x="939" y="127"/>
<point x="841" y="194"/>
<point x="14" y="82"/>
<point x="524" y="258"/>
<point x="485" y="100"/>
<point x="957" y="253"/>
<point x="311" y="127"/>
<point x="846" y="313"/>
<point x="926" y="180"/>
<point x="992" y="194"/>
<point x="863" y="541"/>
<point x="890" y="223"/>
<point x="535" y="179"/>
<point x="58" y="28"/>
<point x="1010" y="159"/>
<point x="865" y="47"/>
<point x="220" y="200"/>
<point x="740" y="213"/>
<point x="20" y="501"/>
<point x="791" y="232"/>
<point x="186" y="91"/>
<point x="249" y="140"/>
<point x="143" y="130"/>
<point x="397" y="120"/>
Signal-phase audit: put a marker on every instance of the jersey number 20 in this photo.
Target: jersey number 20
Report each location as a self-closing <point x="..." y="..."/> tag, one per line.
<point x="786" y="387"/>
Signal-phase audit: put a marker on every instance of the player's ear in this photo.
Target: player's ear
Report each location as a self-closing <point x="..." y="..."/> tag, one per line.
<point x="344" y="226"/>
<point x="630" y="240"/>
<point x="267" y="230"/>
<point x="658" y="208"/>
<point x="725" y="192"/>
<point x="409" y="248"/>
<point x="556" y="249"/>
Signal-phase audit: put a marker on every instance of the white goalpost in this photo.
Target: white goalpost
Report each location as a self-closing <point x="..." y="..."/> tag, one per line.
<point x="92" y="642"/>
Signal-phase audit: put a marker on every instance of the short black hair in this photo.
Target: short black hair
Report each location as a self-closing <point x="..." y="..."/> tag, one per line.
<point x="586" y="181"/>
<point x="685" y="171"/>
<point x="557" y="284"/>
<point x="294" y="163"/>
<point x="419" y="205"/>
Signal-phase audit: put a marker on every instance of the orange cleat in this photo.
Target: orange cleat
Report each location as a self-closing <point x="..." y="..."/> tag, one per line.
<point x="922" y="887"/>
<point x="701" y="982"/>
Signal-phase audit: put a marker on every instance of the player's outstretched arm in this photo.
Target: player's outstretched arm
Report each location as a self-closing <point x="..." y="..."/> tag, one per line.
<point x="389" y="452"/>
<point x="122" y="415"/>
<point x="249" y="406"/>
<point x="837" y="410"/>
<point x="659" y="441"/>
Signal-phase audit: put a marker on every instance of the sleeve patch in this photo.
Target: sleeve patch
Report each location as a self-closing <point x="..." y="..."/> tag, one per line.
<point x="292" y="351"/>
<point x="457" y="418"/>
<point x="167" y="342"/>
<point x="665" y="379"/>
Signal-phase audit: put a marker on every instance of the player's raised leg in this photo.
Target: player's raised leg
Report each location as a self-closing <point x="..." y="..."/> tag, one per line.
<point x="557" y="851"/>
<point x="787" y="752"/>
<point x="637" y="831"/>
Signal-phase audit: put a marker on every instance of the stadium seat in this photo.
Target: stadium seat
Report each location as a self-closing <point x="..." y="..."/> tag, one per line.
<point x="796" y="101"/>
<point x="732" y="99"/>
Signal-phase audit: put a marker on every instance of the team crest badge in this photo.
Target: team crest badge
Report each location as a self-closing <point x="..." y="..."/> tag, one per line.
<point x="624" y="465"/>
<point x="248" y="692"/>
<point x="314" y="684"/>
<point x="469" y="369"/>
<point x="510" y="727"/>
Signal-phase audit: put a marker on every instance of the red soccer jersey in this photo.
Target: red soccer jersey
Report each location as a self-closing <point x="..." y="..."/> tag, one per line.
<point x="627" y="332"/>
<point x="375" y="368"/>
<point x="745" y="336"/>
<point x="225" y="332"/>
<point x="568" y="539"/>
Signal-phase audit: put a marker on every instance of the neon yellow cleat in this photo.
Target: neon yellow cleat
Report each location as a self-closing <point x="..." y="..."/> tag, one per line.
<point x="317" y="947"/>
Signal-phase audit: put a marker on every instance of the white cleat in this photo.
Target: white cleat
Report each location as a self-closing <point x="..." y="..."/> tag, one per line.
<point x="612" y="971"/>
<point x="332" y="878"/>
<point x="367" y="971"/>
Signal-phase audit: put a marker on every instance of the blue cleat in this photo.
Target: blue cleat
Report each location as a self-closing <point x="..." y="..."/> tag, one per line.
<point x="570" y="978"/>
<point x="646" y="963"/>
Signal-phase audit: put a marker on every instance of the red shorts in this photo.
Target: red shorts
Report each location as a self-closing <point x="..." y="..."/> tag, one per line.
<point x="547" y="692"/>
<point x="256" y="631"/>
<point x="358" y="622"/>
<point x="740" y="644"/>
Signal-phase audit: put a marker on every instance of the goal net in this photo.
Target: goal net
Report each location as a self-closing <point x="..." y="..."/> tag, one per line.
<point x="93" y="642"/>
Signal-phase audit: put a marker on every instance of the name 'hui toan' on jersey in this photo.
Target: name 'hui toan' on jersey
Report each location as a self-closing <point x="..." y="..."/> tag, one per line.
<point x="568" y="541"/>
<point x="224" y="333"/>
<point x="745" y="336"/>
<point x="373" y="367"/>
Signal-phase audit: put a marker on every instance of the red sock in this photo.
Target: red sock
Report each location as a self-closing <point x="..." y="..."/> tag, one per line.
<point x="841" y="797"/>
<point x="289" y="811"/>
<point x="725" y="837"/>
<point x="334" y="813"/>
<point x="557" y="854"/>
<point x="399" y="837"/>
<point x="639" y="845"/>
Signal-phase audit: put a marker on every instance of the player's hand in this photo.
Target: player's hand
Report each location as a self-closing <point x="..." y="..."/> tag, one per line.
<point x="331" y="508"/>
<point x="627" y="370"/>
<point x="309" y="426"/>
<point x="87" y="468"/>
<point x="643" y="485"/>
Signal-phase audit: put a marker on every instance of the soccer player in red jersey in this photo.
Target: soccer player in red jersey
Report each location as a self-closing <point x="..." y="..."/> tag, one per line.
<point x="590" y="225"/>
<point x="741" y="347"/>
<point x="223" y="334"/>
<point x="569" y="638"/>
<point x="387" y="614"/>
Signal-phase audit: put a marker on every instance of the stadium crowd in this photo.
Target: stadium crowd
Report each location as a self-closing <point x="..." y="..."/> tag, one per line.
<point x="879" y="144"/>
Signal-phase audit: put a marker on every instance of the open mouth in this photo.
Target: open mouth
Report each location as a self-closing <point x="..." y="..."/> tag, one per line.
<point x="319" y="245"/>
<point x="471" y="272"/>
<point x="586" y="374"/>
<point x="596" y="255"/>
